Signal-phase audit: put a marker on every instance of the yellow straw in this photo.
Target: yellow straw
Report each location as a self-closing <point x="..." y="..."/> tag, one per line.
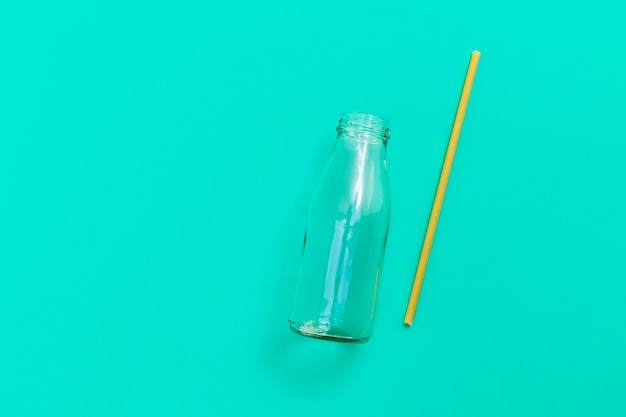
<point x="441" y="188"/>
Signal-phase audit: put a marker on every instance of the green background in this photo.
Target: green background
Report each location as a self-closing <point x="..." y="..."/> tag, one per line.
<point x="156" y="162"/>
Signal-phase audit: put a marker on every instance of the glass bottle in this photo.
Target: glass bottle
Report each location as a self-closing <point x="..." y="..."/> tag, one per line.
<point x="345" y="237"/>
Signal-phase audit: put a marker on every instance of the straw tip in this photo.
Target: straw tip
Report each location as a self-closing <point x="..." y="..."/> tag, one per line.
<point x="475" y="52"/>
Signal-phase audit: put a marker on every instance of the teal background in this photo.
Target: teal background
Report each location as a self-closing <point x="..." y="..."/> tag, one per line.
<point x="156" y="162"/>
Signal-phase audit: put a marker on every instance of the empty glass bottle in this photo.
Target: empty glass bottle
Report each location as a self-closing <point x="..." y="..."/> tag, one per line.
<point x="345" y="238"/>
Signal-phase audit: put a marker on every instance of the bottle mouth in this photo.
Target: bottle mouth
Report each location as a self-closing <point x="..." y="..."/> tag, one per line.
<point x="364" y="125"/>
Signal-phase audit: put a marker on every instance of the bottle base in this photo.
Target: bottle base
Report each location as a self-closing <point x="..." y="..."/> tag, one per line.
<point x="319" y="332"/>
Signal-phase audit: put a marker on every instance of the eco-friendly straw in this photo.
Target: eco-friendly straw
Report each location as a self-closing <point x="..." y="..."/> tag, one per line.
<point x="441" y="188"/>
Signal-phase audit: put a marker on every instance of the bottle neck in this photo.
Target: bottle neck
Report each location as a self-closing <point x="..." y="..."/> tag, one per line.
<point x="363" y="127"/>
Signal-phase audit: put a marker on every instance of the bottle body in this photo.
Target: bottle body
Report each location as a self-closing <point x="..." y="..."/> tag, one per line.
<point x="346" y="234"/>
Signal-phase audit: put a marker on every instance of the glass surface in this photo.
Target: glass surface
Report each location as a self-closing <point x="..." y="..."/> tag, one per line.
<point x="346" y="234"/>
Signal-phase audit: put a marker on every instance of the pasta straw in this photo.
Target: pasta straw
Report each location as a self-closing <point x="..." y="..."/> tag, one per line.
<point x="441" y="188"/>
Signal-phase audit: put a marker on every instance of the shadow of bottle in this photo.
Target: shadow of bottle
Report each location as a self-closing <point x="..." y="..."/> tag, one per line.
<point x="293" y="360"/>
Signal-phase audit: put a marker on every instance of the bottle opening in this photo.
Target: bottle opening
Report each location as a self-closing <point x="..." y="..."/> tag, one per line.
<point x="364" y="126"/>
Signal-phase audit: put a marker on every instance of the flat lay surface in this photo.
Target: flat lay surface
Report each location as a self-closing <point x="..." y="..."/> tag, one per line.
<point x="156" y="164"/>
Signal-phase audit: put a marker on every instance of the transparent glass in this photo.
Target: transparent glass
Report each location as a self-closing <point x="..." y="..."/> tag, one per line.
<point x="345" y="237"/>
